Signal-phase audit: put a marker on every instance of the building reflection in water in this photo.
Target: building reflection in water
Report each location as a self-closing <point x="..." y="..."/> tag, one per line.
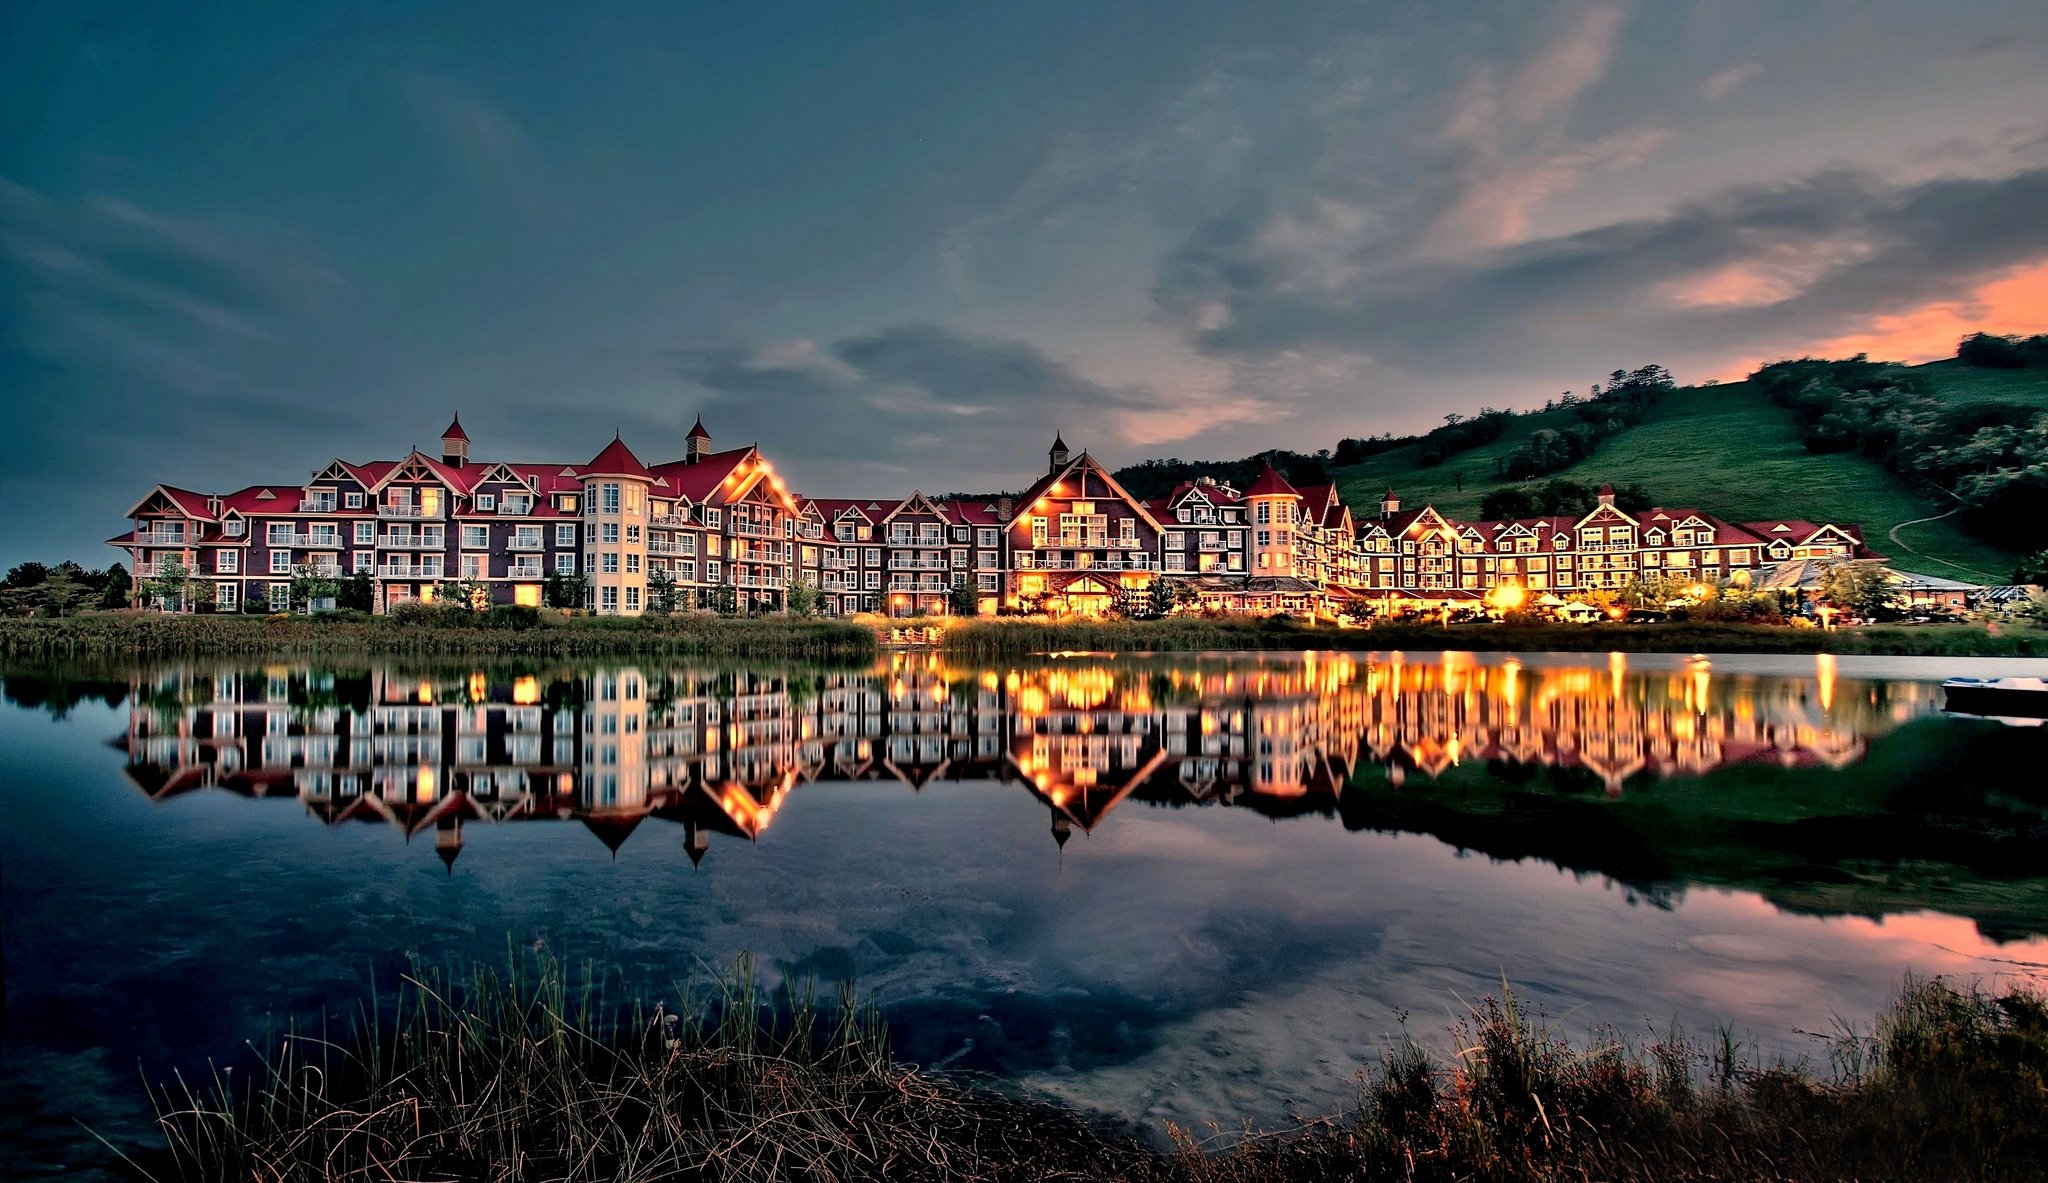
<point x="720" y="751"/>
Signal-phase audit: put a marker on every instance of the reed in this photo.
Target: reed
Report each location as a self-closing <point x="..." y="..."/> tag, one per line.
<point x="537" y="1073"/>
<point x="995" y="639"/>
<point x="140" y="635"/>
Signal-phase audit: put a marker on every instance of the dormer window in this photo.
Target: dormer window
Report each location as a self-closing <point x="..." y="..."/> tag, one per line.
<point x="487" y="502"/>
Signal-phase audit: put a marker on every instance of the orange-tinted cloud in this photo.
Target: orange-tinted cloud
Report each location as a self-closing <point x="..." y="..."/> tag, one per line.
<point x="2016" y="302"/>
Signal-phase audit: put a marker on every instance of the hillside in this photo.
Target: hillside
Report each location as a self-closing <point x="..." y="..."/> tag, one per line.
<point x="1729" y="452"/>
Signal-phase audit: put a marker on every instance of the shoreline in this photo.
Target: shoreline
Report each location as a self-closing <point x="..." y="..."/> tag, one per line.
<point x="570" y="1074"/>
<point x="835" y="641"/>
<point x="1006" y="638"/>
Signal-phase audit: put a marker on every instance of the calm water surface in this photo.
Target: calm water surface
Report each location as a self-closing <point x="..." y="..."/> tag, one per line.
<point x="1204" y="887"/>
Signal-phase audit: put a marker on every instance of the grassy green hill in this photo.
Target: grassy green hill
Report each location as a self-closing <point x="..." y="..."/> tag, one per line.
<point x="1729" y="452"/>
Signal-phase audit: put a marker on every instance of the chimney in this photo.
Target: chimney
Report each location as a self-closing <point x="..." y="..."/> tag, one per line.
<point x="1005" y="507"/>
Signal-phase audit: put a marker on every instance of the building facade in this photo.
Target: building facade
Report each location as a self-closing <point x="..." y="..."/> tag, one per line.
<point x="719" y="530"/>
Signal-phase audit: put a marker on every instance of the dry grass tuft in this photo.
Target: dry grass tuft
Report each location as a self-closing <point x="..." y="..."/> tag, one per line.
<point x="530" y="1075"/>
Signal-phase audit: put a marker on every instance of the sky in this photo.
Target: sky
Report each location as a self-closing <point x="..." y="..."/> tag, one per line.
<point x="901" y="245"/>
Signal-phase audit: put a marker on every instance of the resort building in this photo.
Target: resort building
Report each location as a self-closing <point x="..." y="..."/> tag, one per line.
<point x="719" y="530"/>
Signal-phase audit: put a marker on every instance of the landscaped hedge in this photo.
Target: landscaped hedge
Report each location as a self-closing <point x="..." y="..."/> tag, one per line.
<point x="500" y="632"/>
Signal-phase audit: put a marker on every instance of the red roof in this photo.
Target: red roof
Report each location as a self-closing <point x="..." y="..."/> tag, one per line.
<point x="975" y="511"/>
<point x="697" y="431"/>
<point x="455" y="431"/>
<point x="703" y="480"/>
<point x="1271" y="484"/>
<point x="617" y="460"/>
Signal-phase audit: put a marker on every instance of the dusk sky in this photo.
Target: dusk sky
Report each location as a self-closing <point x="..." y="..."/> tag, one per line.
<point x="899" y="245"/>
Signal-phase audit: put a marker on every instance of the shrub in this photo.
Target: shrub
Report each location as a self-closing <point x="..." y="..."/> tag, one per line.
<point x="512" y="616"/>
<point x="413" y="614"/>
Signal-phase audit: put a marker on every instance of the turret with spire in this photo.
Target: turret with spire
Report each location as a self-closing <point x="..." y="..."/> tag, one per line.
<point x="1058" y="454"/>
<point x="455" y="444"/>
<point x="1390" y="503"/>
<point x="698" y="444"/>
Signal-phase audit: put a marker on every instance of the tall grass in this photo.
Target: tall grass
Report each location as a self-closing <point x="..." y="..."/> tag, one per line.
<point x="128" y="634"/>
<point x="993" y="639"/>
<point x="539" y="1074"/>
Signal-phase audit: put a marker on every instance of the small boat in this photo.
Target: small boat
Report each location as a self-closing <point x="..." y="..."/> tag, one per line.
<point x="2008" y="697"/>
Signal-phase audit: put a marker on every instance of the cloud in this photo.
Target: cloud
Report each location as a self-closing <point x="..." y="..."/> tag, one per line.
<point x="916" y="401"/>
<point x="103" y="284"/>
<point x="1512" y="140"/>
<point x="488" y="144"/>
<point x="2013" y="303"/>
<point x="1727" y="81"/>
<point x="1734" y="271"/>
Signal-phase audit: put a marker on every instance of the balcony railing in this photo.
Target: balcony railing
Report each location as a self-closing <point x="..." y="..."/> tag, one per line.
<point x="387" y="510"/>
<point x="304" y="542"/>
<point x="399" y="571"/>
<point x="526" y="572"/>
<point x="668" y="520"/>
<point x="757" y="529"/>
<point x="656" y="546"/>
<point x="164" y="538"/>
<point x="1135" y="562"/>
<point x="411" y="541"/>
<point x="526" y="543"/>
<point x="901" y="563"/>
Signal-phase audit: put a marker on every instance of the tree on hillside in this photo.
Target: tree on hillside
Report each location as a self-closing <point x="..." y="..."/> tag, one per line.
<point x="1995" y="353"/>
<point x="2033" y="569"/>
<point x="1507" y="503"/>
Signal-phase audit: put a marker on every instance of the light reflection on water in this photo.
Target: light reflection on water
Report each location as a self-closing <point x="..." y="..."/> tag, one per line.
<point x="1254" y="864"/>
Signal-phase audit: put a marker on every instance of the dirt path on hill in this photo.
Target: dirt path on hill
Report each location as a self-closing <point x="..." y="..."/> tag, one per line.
<point x="1893" y="534"/>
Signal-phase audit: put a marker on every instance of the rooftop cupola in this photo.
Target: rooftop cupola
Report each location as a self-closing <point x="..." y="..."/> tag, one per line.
<point x="455" y="444"/>
<point x="698" y="444"/>
<point x="1057" y="455"/>
<point x="1606" y="496"/>
<point x="1390" y="503"/>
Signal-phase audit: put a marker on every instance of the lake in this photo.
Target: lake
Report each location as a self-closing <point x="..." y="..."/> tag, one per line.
<point x="1192" y="888"/>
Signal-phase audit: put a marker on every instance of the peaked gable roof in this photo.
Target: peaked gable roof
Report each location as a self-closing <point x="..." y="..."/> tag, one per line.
<point x="1271" y="484"/>
<point x="617" y="460"/>
<point x="1086" y="464"/>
